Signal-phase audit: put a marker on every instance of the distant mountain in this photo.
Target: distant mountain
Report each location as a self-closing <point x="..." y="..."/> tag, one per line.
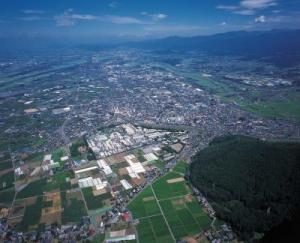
<point x="278" y="46"/>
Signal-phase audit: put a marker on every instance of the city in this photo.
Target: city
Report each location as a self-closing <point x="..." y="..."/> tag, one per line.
<point x="149" y="121"/>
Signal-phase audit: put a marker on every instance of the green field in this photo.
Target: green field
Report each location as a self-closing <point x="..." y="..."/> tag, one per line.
<point x="7" y="196"/>
<point x="7" y="180"/>
<point x="57" y="154"/>
<point x="153" y="229"/>
<point x="144" y="204"/>
<point x="75" y="152"/>
<point x="94" y="202"/>
<point x="5" y="163"/>
<point x="159" y="164"/>
<point x="183" y="214"/>
<point x="289" y="107"/>
<point x="32" y="215"/>
<point x="165" y="190"/>
<point x="59" y="180"/>
<point x="181" y="167"/>
<point x="38" y="187"/>
<point x="74" y="209"/>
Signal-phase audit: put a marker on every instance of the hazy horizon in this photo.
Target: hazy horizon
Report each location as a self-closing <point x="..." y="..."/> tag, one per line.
<point x="118" y="21"/>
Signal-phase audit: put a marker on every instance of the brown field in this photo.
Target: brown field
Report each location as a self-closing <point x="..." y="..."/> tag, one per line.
<point x="51" y="218"/>
<point x="3" y="172"/>
<point x="20" y="205"/>
<point x="188" y="198"/>
<point x="179" y="179"/>
<point x="177" y="147"/>
<point x="71" y="195"/>
<point x="146" y="199"/>
<point x="99" y="192"/>
<point x="115" y="159"/>
<point x="122" y="171"/>
<point x="15" y="221"/>
<point x="52" y="214"/>
<point x="137" y="181"/>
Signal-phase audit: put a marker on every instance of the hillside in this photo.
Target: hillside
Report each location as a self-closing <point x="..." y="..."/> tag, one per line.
<point x="276" y="46"/>
<point x="252" y="184"/>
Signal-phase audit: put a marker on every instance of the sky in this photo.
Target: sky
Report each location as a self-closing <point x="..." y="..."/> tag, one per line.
<point x="110" y="20"/>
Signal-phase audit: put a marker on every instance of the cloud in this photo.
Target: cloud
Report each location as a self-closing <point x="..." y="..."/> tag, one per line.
<point x="248" y="7"/>
<point x="33" y="11"/>
<point x="83" y="17"/>
<point x="223" y="23"/>
<point x="227" y="7"/>
<point x="113" y="4"/>
<point x="260" y="19"/>
<point x="114" y="19"/>
<point x="244" y="12"/>
<point x="289" y="20"/>
<point x="31" y="18"/>
<point x="155" y="17"/>
<point x="276" y="11"/>
<point x="69" y="18"/>
<point x="65" y="19"/>
<point x="257" y="4"/>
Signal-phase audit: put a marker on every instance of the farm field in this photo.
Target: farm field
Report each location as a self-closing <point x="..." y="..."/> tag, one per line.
<point x="59" y="181"/>
<point x="171" y="185"/>
<point x="73" y="207"/>
<point x="185" y="216"/>
<point x="181" y="167"/>
<point x="6" y="197"/>
<point x="153" y="229"/>
<point x="54" y="207"/>
<point x="95" y="202"/>
<point x="169" y="203"/>
<point x="144" y="205"/>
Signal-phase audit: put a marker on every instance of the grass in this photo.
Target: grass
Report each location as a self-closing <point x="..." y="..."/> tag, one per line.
<point x="32" y="158"/>
<point x="38" y="187"/>
<point x="31" y="216"/>
<point x="7" y="180"/>
<point x="77" y="155"/>
<point x="75" y="145"/>
<point x="274" y="108"/>
<point x="98" y="238"/>
<point x="59" y="181"/>
<point x="185" y="217"/>
<point x="144" y="204"/>
<point x="288" y="107"/>
<point x="57" y="154"/>
<point x="153" y="229"/>
<point x="74" y="209"/>
<point x="94" y="202"/>
<point x="7" y="196"/>
<point x="181" y="167"/>
<point x="159" y="164"/>
<point x="164" y="190"/>
<point x="32" y="189"/>
<point x="183" y="213"/>
<point x="207" y="84"/>
<point x="5" y="165"/>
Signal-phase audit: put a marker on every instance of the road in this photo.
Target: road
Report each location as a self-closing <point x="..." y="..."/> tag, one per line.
<point x="162" y="213"/>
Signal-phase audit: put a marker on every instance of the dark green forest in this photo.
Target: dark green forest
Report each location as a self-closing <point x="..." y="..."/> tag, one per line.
<point x="254" y="185"/>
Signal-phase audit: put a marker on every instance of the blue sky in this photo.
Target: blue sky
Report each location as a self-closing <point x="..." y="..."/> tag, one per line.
<point x="140" y="19"/>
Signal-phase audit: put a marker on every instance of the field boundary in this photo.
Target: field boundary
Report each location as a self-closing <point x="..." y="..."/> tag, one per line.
<point x="162" y="213"/>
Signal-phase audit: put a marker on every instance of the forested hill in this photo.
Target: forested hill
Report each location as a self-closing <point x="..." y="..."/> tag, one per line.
<point x="252" y="184"/>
